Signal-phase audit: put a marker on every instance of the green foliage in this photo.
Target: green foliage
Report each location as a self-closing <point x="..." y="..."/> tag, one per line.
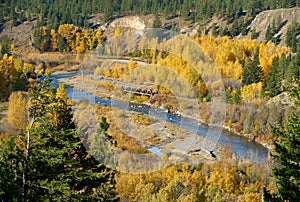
<point x="56" y="166"/>
<point x="291" y="36"/>
<point x="102" y="144"/>
<point x="252" y="73"/>
<point x="269" y="34"/>
<point x="67" y="171"/>
<point x="5" y="45"/>
<point x="282" y="73"/>
<point x="287" y="154"/>
<point x="156" y="22"/>
<point x="11" y="158"/>
<point x="77" y="12"/>
<point x="273" y="83"/>
<point x="214" y="31"/>
<point x="254" y="34"/>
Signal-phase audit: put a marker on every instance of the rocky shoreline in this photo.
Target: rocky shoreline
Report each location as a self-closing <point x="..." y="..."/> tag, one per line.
<point x="104" y="93"/>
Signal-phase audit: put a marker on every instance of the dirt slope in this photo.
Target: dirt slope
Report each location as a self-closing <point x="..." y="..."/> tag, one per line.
<point x="264" y="19"/>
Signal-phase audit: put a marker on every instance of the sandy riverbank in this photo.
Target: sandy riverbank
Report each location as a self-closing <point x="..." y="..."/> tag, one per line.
<point x="190" y="111"/>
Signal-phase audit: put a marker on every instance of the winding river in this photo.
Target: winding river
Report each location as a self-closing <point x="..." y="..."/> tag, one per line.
<point x="241" y="145"/>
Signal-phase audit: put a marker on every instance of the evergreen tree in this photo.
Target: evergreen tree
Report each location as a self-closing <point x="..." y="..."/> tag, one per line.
<point x="11" y="158"/>
<point x="291" y="36"/>
<point x="269" y="34"/>
<point x="254" y="34"/>
<point x="225" y="32"/>
<point x="156" y="22"/>
<point x="252" y="73"/>
<point x="272" y="84"/>
<point x="214" y="31"/>
<point x="243" y="26"/>
<point x="287" y="154"/>
<point x="62" y="44"/>
<point x="5" y="49"/>
<point x="293" y="71"/>
<point x="57" y="167"/>
<point x="37" y="38"/>
<point x="235" y="29"/>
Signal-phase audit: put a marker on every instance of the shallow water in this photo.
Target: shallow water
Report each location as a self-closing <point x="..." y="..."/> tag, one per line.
<point x="240" y="145"/>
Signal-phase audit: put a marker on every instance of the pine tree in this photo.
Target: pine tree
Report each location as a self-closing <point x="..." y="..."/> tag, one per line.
<point x="37" y="38"/>
<point x="57" y="166"/>
<point x="291" y="36"/>
<point x="252" y="73"/>
<point x="62" y="44"/>
<point x="287" y="154"/>
<point x="272" y="84"/>
<point x="214" y="31"/>
<point x="5" y="45"/>
<point x="269" y="34"/>
<point x="254" y="34"/>
<point x="11" y="158"/>
<point x="156" y="22"/>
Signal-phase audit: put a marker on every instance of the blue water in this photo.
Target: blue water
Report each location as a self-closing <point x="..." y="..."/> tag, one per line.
<point x="240" y="145"/>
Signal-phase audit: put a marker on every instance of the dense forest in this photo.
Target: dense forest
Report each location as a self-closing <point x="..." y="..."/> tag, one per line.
<point x="56" y="12"/>
<point x="43" y="155"/>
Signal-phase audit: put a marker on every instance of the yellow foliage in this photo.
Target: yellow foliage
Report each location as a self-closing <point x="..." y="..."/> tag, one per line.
<point x="98" y="35"/>
<point x="252" y="92"/>
<point x="227" y="54"/>
<point x="17" y="110"/>
<point x="117" y="32"/>
<point x="54" y="40"/>
<point x="28" y="67"/>
<point x="267" y="52"/>
<point x="107" y="73"/>
<point x="61" y="92"/>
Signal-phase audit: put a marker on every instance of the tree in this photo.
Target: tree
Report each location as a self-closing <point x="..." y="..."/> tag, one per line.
<point x="214" y="31"/>
<point x="287" y="154"/>
<point x="37" y="38"/>
<point x="5" y="45"/>
<point x="269" y="34"/>
<point x="254" y="34"/>
<point x="252" y="73"/>
<point x="57" y="166"/>
<point x="11" y="158"/>
<point x="17" y="110"/>
<point x="291" y="36"/>
<point x="62" y="44"/>
<point x="273" y="82"/>
<point x="61" y="92"/>
<point x="156" y="22"/>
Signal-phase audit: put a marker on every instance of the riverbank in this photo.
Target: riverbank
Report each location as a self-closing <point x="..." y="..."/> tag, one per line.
<point x="242" y="146"/>
<point x="104" y="87"/>
<point x="144" y="135"/>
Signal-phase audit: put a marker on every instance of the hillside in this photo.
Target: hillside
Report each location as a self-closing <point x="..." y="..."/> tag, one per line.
<point x="22" y="34"/>
<point x="264" y="19"/>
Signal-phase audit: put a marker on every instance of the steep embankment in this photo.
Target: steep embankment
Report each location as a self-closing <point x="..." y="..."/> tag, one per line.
<point x="264" y="19"/>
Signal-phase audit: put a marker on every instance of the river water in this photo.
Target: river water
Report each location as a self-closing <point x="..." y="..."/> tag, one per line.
<point x="240" y="145"/>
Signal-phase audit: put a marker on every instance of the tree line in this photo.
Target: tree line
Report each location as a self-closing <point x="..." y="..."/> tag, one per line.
<point x="77" y="12"/>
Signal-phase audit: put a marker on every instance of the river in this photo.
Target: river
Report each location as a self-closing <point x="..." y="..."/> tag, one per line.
<point x="240" y="145"/>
